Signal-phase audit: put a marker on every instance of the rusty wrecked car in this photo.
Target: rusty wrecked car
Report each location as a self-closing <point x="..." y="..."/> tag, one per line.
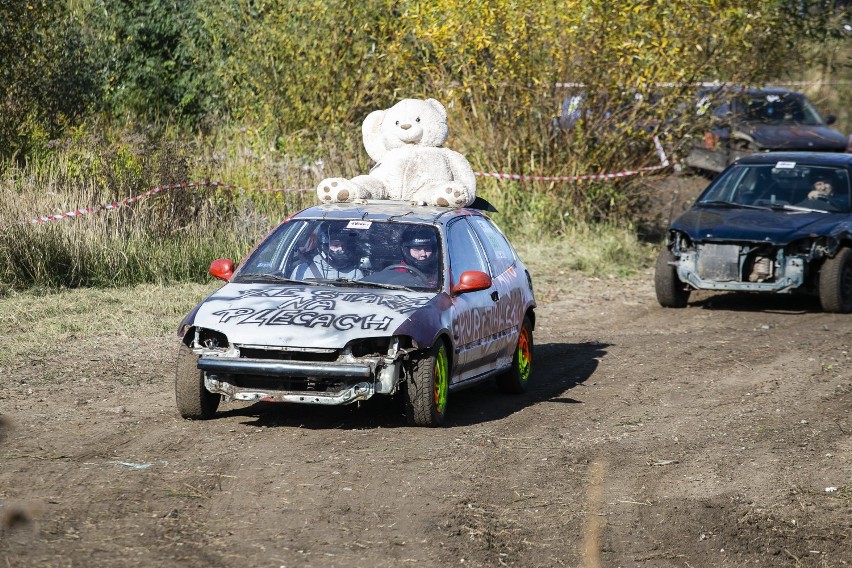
<point x="346" y="301"/>
<point x="776" y="222"/>
<point x="744" y="121"/>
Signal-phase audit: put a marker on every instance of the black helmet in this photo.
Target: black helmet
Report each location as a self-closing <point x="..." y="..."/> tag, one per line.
<point x="344" y="256"/>
<point x="420" y="237"/>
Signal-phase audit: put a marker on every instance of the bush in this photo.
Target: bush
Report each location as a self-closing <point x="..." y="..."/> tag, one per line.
<point x="46" y="80"/>
<point x="154" y="60"/>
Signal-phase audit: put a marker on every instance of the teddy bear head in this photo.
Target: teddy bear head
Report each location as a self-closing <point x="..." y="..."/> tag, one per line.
<point x="415" y="122"/>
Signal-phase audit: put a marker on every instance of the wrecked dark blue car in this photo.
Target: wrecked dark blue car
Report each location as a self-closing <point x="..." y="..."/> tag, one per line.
<point x="760" y="120"/>
<point x="772" y="222"/>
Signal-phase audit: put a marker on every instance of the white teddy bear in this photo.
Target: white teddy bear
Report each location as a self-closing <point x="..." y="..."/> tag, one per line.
<point x="405" y="142"/>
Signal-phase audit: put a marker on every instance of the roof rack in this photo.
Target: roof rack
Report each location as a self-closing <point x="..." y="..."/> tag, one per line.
<point x="478" y="203"/>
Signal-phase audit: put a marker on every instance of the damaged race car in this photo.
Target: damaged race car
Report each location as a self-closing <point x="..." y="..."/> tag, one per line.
<point x="773" y="222"/>
<point x="345" y="301"/>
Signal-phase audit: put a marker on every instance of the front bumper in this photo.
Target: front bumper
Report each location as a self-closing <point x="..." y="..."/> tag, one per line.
<point x="265" y="367"/>
<point x="348" y="395"/>
<point x="329" y="383"/>
<point x="706" y="270"/>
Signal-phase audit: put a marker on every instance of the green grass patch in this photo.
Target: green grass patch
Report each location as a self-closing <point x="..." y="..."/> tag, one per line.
<point x="597" y="250"/>
<point x="34" y="322"/>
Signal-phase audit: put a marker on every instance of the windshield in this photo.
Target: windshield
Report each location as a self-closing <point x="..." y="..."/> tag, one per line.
<point x="781" y="184"/>
<point x="381" y="254"/>
<point x="780" y="108"/>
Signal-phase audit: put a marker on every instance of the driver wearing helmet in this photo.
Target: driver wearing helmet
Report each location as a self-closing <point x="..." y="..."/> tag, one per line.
<point x="337" y="258"/>
<point x="420" y="251"/>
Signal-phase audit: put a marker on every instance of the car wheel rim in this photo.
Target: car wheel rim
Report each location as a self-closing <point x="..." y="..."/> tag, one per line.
<point x="524" y="355"/>
<point x="441" y="381"/>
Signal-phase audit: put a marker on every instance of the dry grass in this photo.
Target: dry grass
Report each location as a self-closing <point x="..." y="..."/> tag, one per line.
<point x="32" y="323"/>
<point x="170" y="236"/>
<point x="598" y="251"/>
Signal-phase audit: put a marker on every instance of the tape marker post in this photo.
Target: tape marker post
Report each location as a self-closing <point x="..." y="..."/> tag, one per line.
<point x="664" y="163"/>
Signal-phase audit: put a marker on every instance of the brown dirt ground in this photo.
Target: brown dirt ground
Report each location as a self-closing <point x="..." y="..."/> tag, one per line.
<point x="717" y="435"/>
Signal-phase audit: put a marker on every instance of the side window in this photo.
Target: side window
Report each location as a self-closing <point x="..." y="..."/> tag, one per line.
<point x="500" y="253"/>
<point x="271" y="255"/>
<point x="722" y="111"/>
<point x="464" y="250"/>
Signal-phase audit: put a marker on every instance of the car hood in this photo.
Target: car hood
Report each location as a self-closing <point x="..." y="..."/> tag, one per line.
<point x="314" y="316"/>
<point x="819" y="138"/>
<point x="774" y="226"/>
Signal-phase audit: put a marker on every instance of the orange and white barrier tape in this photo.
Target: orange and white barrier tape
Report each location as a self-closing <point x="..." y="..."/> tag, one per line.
<point x="664" y="163"/>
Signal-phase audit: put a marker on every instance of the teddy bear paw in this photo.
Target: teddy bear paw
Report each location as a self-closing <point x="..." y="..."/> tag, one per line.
<point x="452" y="195"/>
<point x="333" y="190"/>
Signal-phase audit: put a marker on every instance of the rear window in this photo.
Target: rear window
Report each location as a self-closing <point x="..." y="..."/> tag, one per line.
<point x="782" y="107"/>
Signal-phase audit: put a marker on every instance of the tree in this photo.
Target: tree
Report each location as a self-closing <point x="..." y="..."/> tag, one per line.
<point x="46" y="80"/>
<point x="154" y="59"/>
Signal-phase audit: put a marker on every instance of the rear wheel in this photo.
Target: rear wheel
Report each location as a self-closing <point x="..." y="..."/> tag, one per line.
<point x="194" y="401"/>
<point x="514" y="381"/>
<point x="671" y="292"/>
<point x="426" y="390"/>
<point x="835" y="283"/>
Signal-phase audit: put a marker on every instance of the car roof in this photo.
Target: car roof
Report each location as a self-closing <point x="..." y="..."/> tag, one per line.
<point x="736" y="90"/>
<point x="384" y="210"/>
<point x="835" y="159"/>
<point x="770" y="91"/>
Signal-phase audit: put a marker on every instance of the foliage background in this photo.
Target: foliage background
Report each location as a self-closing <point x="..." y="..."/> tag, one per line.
<point x="102" y="99"/>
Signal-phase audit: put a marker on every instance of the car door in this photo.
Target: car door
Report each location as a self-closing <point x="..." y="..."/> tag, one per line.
<point x="510" y="285"/>
<point x="471" y="311"/>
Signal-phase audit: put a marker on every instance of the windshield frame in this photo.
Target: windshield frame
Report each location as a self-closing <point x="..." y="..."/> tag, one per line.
<point x="779" y="184"/>
<point x="376" y="245"/>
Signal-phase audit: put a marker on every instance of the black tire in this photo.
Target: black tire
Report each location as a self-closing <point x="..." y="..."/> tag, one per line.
<point x="514" y="381"/>
<point x="671" y="292"/>
<point x="425" y="393"/>
<point x="835" y="282"/>
<point x="194" y="402"/>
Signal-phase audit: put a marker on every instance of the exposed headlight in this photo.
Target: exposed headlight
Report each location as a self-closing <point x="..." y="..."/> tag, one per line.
<point x="377" y="346"/>
<point x="210" y="339"/>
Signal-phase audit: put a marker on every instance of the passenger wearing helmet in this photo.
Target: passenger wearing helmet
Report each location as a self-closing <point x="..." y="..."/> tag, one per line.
<point x="337" y="258"/>
<point x="420" y="251"/>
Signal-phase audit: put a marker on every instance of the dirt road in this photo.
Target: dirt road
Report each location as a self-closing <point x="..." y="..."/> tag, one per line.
<point x="717" y="435"/>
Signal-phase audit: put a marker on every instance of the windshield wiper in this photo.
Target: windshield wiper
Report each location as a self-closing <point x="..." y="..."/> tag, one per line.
<point x="799" y="208"/>
<point x="368" y="284"/>
<point x="720" y="203"/>
<point x="277" y="278"/>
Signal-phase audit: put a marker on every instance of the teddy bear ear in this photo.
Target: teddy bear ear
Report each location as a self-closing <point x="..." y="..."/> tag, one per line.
<point x="371" y="132"/>
<point x="438" y="107"/>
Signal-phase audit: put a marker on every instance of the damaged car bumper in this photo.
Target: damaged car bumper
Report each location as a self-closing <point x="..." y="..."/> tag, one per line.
<point x="219" y="384"/>
<point x="344" y="381"/>
<point x="738" y="268"/>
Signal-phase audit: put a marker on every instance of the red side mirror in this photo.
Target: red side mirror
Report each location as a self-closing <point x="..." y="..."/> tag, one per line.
<point x="222" y="268"/>
<point x="472" y="281"/>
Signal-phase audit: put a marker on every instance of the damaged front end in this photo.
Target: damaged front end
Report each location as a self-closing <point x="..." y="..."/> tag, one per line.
<point x="748" y="266"/>
<point x="304" y="375"/>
